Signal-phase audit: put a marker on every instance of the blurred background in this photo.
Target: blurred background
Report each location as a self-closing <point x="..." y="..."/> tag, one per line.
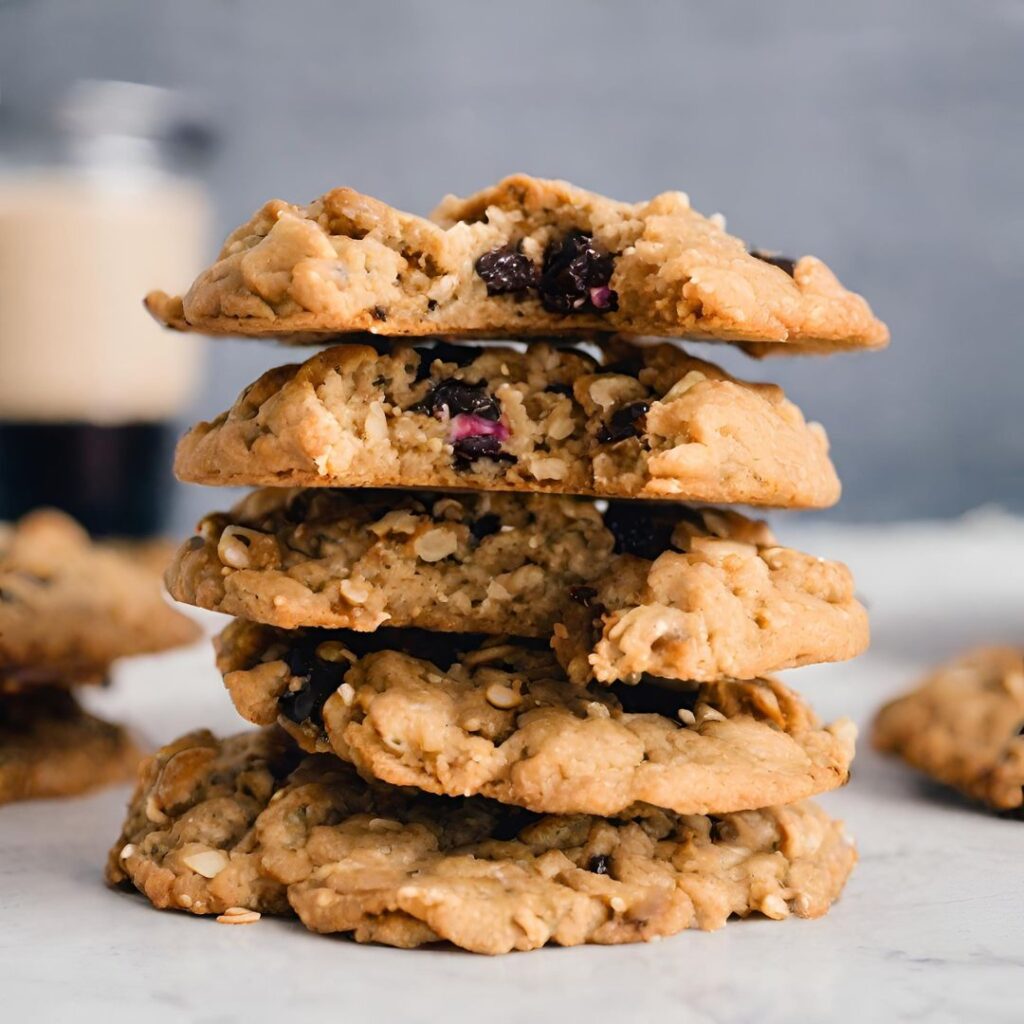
<point x="885" y="138"/>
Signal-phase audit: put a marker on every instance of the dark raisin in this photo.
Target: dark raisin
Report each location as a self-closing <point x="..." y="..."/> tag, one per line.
<point x="575" y="276"/>
<point x="624" y="423"/>
<point x="560" y="389"/>
<point x="451" y="397"/>
<point x="649" y="698"/>
<point x="599" y="864"/>
<point x="431" y="305"/>
<point x="506" y="270"/>
<point x="642" y="530"/>
<point x="319" y="680"/>
<point x="460" y="355"/>
<point x="485" y="526"/>
<point x="379" y="313"/>
<point x="479" y="446"/>
<point x="583" y="595"/>
<point x="782" y="262"/>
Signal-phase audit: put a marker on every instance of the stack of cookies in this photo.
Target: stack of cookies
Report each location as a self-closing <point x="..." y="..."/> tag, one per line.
<point x="511" y="672"/>
<point x="69" y="607"/>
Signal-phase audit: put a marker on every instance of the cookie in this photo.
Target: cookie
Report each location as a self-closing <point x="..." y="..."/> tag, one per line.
<point x="69" y="607"/>
<point x="525" y="257"/>
<point x="499" y="719"/>
<point x="677" y="592"/>
<point x="652" y="423"/>
<point x="51" y="747"/>
<point x="964" y="725"/>
<point x="244" y="823"/>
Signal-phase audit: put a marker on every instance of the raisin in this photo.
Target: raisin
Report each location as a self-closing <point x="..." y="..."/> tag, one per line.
<point x="782" y="262"/>
<point x="431" y="305"/>
<point x="479" y="446"/>
<point x="506" y="270"/>
<point x="451" y="397"/>
<point x="598" y="864"/>
<point x="575" y="276"/>
<point x="624" y="423"/>
<point x="485" y="526"/>
<point x="379" y="313"/>
<point x="642" y="530"/>
<point x="460" y="355"/>
<point x="319" y="680"/>
<point x="560" y="389"/>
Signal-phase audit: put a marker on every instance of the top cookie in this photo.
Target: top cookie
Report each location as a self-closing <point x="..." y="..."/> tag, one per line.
<point x="69" y="607"/>
<point x="524" y="257"/>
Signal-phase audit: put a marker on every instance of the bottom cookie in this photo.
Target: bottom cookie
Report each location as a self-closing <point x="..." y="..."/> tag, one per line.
<point x="51" y="747"/>
<point x="251" y="823"/>
<point x="964" y="725"/>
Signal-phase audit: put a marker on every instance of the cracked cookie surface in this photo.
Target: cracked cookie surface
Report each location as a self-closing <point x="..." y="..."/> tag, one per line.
<point x="721" y="599"/>
<point x="70" y="606"/>
<point x="651" y="422"/>
<point x="51" y="747"/>
<point x="964" y="726"/>
<point x="244" y="822"/>
<point x="524" y="257"/>
<point x="499" y="719"/>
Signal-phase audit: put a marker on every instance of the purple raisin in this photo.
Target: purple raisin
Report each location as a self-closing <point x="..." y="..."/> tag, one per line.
<point x="782" y="262"/>
<point x="479" y="446"/>
<point x="506" y="270"/>
<point x="598" y="864"/>
<point x="644" y="530"/>
<point x="575" y="276"/>
<point x="449" y="398"/>
<point x="624" y="423"/>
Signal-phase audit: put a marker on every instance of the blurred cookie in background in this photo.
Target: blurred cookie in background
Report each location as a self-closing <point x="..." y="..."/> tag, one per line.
<point x="964" y="726"/>
<point x="70" y="606"/>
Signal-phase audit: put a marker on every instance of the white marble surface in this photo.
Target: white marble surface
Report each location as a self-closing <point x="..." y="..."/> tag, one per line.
<point x="930" y="927"/>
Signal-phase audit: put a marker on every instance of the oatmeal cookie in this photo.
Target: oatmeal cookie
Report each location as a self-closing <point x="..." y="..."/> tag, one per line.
<point x="693" y="594"/>
<point x="524" y="257"/>
<point x="964" y="725"/>
<point x="499" y="719"/>
<point x="650" y="422"/>
<point x="238" y="823"/>
<point x="69" y="606"/>
<point x="51" y="747"/>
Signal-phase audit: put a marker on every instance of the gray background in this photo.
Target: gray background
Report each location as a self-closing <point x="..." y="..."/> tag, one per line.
<point x="884" y="137"/>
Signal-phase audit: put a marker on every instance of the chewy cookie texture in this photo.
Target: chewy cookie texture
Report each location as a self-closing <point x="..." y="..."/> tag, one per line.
<point x="648" y="422"/>
<point x="51" y="747"/>
<point x="684" y="593"/>
<point x="964" y="726"/>
<point x="525" y="257"/>
<point x="70" y="606"/>
<point x="461" y="716"/>
<point x="251" y="823"/>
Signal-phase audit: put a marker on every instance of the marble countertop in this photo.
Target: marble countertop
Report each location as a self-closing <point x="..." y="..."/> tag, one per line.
<point x="930" y="927"/>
